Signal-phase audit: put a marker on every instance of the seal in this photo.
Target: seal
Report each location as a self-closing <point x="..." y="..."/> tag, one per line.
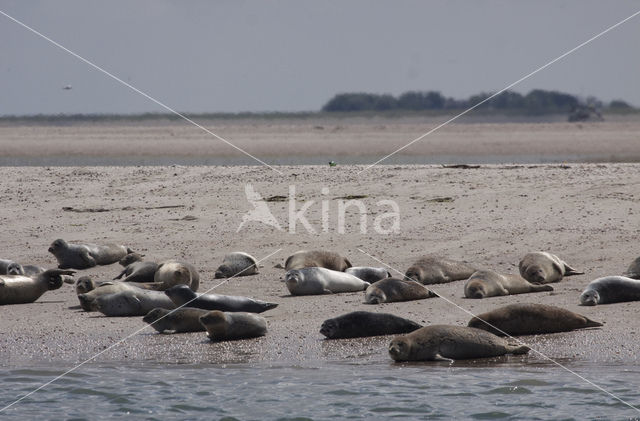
<point x="138" y="271"/>
<point x="487" y="283"/>
<point x="633" y="271"/>
<point x="237" y="264"/>
<point x="438" y="270"/>
<point x="9" y="267"/>
<point x="223" y="326"/>
<point x="31" y="270"/>
<point x="180" y="320"/>
<point x="443" y="342"/>
<point x="173" y="272"/>
<point x="131" y="258"/>
<point x="105" y="288"/>
<point x="544" y="268"/>
<point x="611" y="289"/>
<point x="530" y="319"/>
<point x="316" y="258"/>
<point x="84" y="256"/>
<point x="131" y="303"/>
<point x="85" y="284"/>
<point x="182" y="295"/>
<point x="358" y="324"/>
<point x="391" y="290"/>
<point x="318" y="280"/>
<point x="20" y="289"/>
<point x="368" y="274"/>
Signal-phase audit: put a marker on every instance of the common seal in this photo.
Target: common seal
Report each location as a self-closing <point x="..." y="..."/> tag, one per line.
<point x="182" y="295"/>
<point x="442" y="342"/>
<point x="237" y="264"/>
<point x="84" y="256"/>
<point x="633" y="271"/>
<point x="186" y="319"/>
<point x="544" y="268"/>
<point x="438" y="270"/>
<point x="611" y="289"/>
<point x="368" y="274"/>
<point x="139" y="271"/>
<point x="224" y="326"/>
<point x="392" y="289"/>
<point x="359" y="324"/>
<point x="316" y="258"/>
<point x="31" y="270"/>
<point x="173" y="272"/>
<point x="132" y="303"/>
<point x="105" y="288"/>
<point x="9" y="267"/>
<point x="131" y="258"/>
<point x="20" y="289"/>
<point x="85" y="284"/>
<point x="318" y="280"/>
<point x="487" y="283"/>
<point x="530" y="319"/>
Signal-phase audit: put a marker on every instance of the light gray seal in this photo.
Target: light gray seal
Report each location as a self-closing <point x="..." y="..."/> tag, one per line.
<point x="20" y="289"/>
<point x="368" y="274"/>
<point x="611" y="289"/>
<point x="633" y="271"/>
<point x="443" y="342"/>
<point x="438" y="270"/>
<point x="138" y="271"/>
<point x="544" y="268"/>
<point x="317" y="258"/>
<point x="84" y="256"/>
<point x="487" y="283"/>
<point x="391" y="290"/>
<point x="530" y="319"/>
<point x="237" y="264"/>
<point x="180" y="320"/>
<point x="182" y="295"/>
<point x="85" y="284"/>
<point x="32" y="270"/>
<point x="132" y="303"/>
<point x="88" y="298"/>
<point x="318" y="280"/>
<point x="173" y="272"/>
<point x="9" y="267"/>
<point x="222" y="326"/>
<point x="358" y="324"/>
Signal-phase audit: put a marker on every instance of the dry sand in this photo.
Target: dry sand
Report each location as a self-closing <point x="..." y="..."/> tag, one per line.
<point x="588" y="214"/>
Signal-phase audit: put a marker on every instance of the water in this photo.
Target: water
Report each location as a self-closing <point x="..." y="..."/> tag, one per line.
<point x="322" y="391"/>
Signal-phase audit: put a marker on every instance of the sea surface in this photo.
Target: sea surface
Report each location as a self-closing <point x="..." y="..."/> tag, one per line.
<point x="323" y="391"/>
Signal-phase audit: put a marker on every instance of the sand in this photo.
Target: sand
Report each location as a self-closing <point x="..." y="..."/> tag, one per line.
<point x="587" y="214"/>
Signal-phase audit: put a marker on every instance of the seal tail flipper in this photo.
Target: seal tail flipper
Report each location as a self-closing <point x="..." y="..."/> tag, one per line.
<point x="269" y="306"/>
<point x="592" y="323"/>
<point x="519" y="349"/>
<point x="121" y="274"/>
<point x="568" y="271"/>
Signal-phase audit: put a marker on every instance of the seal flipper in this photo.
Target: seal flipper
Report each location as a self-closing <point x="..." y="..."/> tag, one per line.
<point x="326" y="291"/>
<point x="543" y="287"/>
<point x="592" y="323"/>
<point x="518" y="349"/>
<point x="121" y="274"/>
<point x="439" y="357"/>
<point x="568" y="271"/>
<point x="87" y="258"/>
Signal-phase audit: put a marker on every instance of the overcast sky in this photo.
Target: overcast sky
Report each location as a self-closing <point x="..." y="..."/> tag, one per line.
<point x="233" y="55"/>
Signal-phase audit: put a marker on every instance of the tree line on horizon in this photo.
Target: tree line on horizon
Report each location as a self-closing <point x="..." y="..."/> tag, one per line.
<point x="537" y="101"/>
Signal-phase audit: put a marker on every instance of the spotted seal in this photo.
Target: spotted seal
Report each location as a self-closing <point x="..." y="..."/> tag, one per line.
<point x="318" y="280"/>
<point x="179" y="320"/>
<point x="390" y="290"/>
<point x="20" y="289"/>
<point x="132" y="303"/>
<point x="544" y="268"/>
<point x="182" y="295"/>
<point x="224" y="326"/>
<point x="84" y="256"/>
<point x="317" y="258"/>
<point x="610" y="289"/>
<point x="487" y="283"/>
<point x="173" y="272"/>
<point x="437" y="270"/>
<point x="9" y="267"/>
<point x="237" y="264"/>
<point x="359" y="324"/>
<point x="368" y="274"/>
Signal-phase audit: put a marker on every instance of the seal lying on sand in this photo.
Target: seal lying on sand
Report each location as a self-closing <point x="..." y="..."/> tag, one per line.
<point x="611" y="289"/>
<point x="368" y="274"/>
<point x="530" y="319"/>
<point x="544" y="268"/>
<point x="131" y="303"/>
<point x="237" y="264"/>
<point x="359" y="324"/>
<point x="85" y="284"/>
<point x="186" y="319"/>
<point x="487" y="283"/>
<point x="438" y="270"/>
<point x="317" y="280"/>
<point x="20" y="289"/>
<point x="138" y="271"/>
<point x="172" y="272"/>
<point x="84" y="256"/>
<point x="442" y="342"/>
<point x="31" y="270"/>
<point x="222" y="326"/>
<point x="317" y="258"/>
<point x="9" y="267"/>
<point x="633" y="271"/>
<point x="183" y="295"/>
<point x="392" y="289"/>
<point x="105" y="288"/>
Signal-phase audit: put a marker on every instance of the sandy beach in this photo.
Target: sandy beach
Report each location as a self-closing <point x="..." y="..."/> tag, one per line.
<point x="586" y="213"/>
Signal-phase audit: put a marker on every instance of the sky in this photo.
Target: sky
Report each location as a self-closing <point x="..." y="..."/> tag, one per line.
<point x="294" y="55"/>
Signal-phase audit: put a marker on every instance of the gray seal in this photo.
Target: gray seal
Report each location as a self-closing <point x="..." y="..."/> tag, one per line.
<point x="633" y="271"/>
<point x="32" y="270"/>
<point x="138" y="271"/>
<point x="358" y="324"/>
<point x="443" y="342"/>
<point x="84" y="256"/>
<point x="131" y="258"/>
<point x="530" y="319"/>
<point x="9" y="267"/>
<point x="368" y="274"/>
<point x="237" y="264"/>
<point x="132" y="303"/>
<point x="392" y="290"/>
<point x="85" y="284"/>
<point x="318" y="280"/>
<point x="317" y="258"/>
<point x="438" y="270"/>
<point x="180" y="320"/>
<point x="223" y="326"/>
<point x="20" y="289"/>
<point x="173" y="272"/>
<point x="182" y="295"/>
<point x="611" y="289"/>
<point x="544" y="268"/>
<point x="87" y="299"/>
<point x="487" y="283"/>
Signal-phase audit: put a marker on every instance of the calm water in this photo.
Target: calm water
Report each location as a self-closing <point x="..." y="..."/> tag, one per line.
<point x="322" y="391"/>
